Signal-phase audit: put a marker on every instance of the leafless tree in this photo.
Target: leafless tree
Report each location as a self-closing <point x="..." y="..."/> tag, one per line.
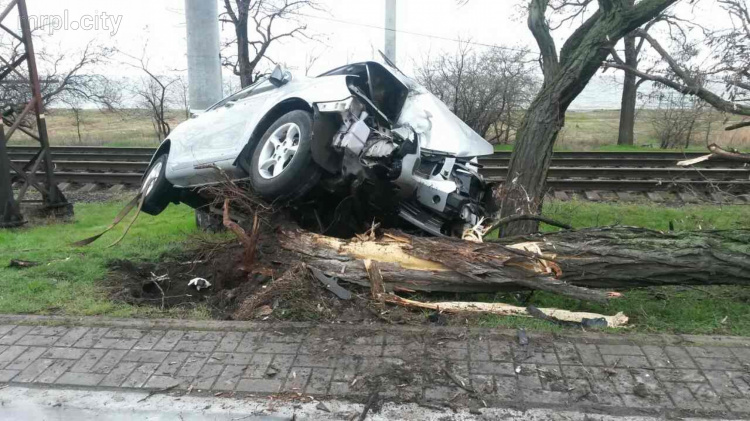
<point x="183" y="95"/>
<point x="65" y="78"/>
<point x="154" y="92"/>
<point x="676" y="119"/>
<point x="728" y="67"/>
<point x="230" y="85"/>
<point x="258" y="24"/>
<point x="566" y="73"/>
<point x="632" y="52"/>
<point x="486" y="90"/>
<point x="311" y="58"/>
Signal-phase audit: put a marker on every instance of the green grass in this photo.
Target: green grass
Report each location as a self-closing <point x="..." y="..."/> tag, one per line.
<point x="695" y="310"/>
<point x="69" y="279"/>
<point x="582" y="214"/>
<point x="721" y="310"/>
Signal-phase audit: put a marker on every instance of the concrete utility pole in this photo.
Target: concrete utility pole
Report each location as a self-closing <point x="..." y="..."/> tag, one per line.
<point x="204" y="64"/>
<point x="390" y="30"/>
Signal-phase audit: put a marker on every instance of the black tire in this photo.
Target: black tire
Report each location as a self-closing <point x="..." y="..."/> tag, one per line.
<point x="162" y="191"/>
<point x="300" y="175"/>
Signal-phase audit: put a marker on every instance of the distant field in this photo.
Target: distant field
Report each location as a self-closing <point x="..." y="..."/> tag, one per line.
<point x="584" y="130"/>
<point x="598" y="130"/>
<point x="99" y="128"/>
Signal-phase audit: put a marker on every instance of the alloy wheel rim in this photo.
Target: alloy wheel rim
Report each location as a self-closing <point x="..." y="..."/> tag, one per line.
<point x="278" y="151"/>
<point x="150" y="180"/>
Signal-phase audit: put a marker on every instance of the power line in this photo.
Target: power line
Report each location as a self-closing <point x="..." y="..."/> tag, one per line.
<point x="419" y="34"/>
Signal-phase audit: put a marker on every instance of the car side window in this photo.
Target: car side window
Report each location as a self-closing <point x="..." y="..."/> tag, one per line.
<point x="256" y="88"/>
<point x="238" y="95"/>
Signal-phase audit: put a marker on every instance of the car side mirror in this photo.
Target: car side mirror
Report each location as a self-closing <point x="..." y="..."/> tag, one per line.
<point x="279" y="76"/>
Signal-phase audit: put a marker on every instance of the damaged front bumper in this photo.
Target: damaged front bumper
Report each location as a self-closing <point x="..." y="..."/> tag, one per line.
<point x="439" y="193"/>
<point x="448" y="196"/>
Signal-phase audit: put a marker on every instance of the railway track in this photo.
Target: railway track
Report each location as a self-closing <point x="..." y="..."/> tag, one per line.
<point x="570" y="171"/>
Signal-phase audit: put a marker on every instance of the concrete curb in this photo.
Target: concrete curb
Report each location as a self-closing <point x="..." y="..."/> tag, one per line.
<point x="239" y="326"/>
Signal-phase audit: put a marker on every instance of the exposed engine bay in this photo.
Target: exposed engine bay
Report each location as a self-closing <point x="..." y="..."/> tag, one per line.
<point x="375" y="143"/>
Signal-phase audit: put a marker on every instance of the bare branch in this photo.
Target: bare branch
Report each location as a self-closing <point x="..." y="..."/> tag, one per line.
<point x="253" y="21"/>
<point x="540" y="29"/>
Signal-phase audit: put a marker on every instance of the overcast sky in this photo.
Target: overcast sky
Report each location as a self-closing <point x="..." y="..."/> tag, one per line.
<point x="349" y="30"/>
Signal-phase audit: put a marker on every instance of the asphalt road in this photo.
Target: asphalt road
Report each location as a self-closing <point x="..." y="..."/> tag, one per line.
<point x="42" y="404"/>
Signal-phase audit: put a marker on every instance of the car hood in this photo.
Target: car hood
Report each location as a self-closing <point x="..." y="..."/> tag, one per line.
<point x="441" y="131"/>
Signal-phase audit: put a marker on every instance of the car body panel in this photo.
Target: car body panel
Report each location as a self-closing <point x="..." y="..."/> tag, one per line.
<point x="442" y="132"/>
<point x="218" y="136"/>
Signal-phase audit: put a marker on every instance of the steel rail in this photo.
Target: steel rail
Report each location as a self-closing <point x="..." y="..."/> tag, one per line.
<point x="673" y="173"/>
<point x="615" y="162"/>
<point x="87" y="150"/>
<point x="65" y="156"/>
<point x="100" y="166"/>
<point x="614" y="171"/>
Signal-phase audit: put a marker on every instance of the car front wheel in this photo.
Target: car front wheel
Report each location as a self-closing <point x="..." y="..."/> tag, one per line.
<point x="282" y="167"/>
<point x="156" y="189"/>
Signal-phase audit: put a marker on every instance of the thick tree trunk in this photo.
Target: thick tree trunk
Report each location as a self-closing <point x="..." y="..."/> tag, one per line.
<point x="629" y="95"/>
<point x="623" y="257"/>
<point x="567" y="263"/>
<point x="565" y="76"/>
<point x="532" y="155"/>
<point x="243" y="54"/>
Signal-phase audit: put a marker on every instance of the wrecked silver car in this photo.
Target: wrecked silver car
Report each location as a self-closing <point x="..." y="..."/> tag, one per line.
<point x="363" y="131"/>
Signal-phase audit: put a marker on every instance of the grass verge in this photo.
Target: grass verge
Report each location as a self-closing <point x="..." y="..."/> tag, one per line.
<point x="674" y="309"/>
<point x="69" y="281"/>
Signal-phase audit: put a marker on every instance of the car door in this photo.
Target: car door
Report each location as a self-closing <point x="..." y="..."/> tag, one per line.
<point x="191" y="140"/>
<point x="221" y="127"/>
<point x="222" y="131"/>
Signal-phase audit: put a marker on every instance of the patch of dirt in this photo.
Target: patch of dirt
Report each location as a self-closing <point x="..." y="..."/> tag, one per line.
<point x="165" y="284"/>
<point x="273" y="291"/>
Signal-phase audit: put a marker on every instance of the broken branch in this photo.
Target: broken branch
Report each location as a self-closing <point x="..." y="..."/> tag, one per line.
<point x="377" y="287"/>
<point x="717" y="153"/>
<point x="501" y="309"/>
<point x="250" y="242"/>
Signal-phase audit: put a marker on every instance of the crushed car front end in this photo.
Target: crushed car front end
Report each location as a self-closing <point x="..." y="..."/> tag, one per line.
<point x="394" y="136"/>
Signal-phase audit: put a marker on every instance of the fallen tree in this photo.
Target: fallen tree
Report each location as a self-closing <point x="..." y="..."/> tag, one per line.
<point x="583" y="264"/>
<point x="580" y="264"/>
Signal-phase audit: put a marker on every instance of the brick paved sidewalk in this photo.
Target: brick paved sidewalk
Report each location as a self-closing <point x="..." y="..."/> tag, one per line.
<point x="677" y="375"/>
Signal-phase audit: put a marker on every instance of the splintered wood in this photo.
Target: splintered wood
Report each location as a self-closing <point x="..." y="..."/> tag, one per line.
<point x="501" y="309"/>
<point x="584" y="264"/>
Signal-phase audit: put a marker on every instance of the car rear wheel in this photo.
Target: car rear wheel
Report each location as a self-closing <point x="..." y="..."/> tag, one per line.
<point x="156" y="189"/>
<point x="282" y="167"/>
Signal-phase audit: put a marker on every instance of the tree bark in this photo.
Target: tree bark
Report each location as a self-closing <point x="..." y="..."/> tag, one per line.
<point x="243" y="53"/>
<point x="531" y="158"/>
<point x="629" y="95"/>
<point x="566" y="263"/>
<point x="564" y="79"/>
